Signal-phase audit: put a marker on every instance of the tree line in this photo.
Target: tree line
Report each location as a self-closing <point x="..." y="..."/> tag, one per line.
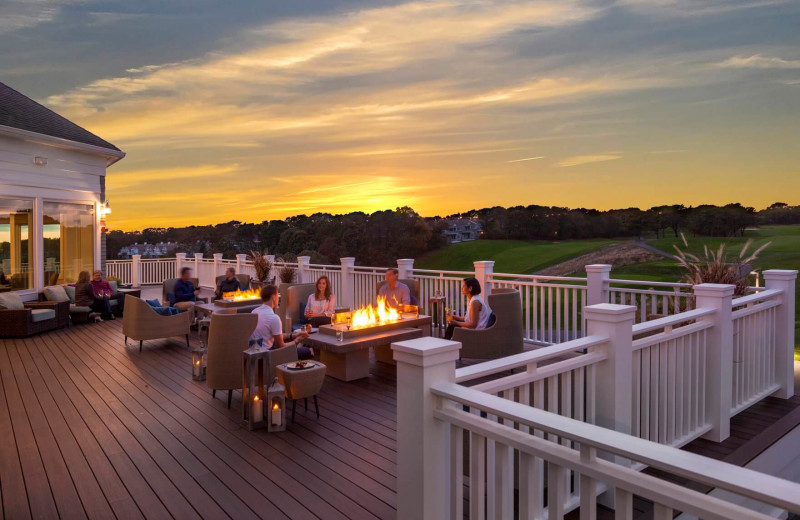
<point x="382" y="237"/>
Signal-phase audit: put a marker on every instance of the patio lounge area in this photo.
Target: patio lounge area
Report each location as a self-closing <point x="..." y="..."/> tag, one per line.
<point x="102" y="431"/>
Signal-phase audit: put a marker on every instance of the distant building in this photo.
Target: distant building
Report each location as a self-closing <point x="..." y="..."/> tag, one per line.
<point x="147" y="250"/>
<point x="462" y="229"/>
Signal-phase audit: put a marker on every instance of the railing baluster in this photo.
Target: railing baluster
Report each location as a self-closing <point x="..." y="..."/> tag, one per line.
<point x="504" y="482"/>
<point x="456" y="473"/>
<point x="662" y="512"/>
<point x="531" y="487"/>
<point x="623" y="504"/>
<point x="588" y="487"/>
<point x="477" y="477"/>
<point x="555" y="491"/>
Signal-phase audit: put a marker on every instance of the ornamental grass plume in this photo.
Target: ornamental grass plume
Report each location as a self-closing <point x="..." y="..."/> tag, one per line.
<point x="261" y="265"/>
<point x="715" y="267"/>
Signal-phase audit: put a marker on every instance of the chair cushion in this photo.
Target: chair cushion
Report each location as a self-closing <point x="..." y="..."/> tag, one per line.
<point x="55" y="293"/>
<point x="303" y="318"/>
<point x="11" y="300"/>
<point x="79" y="308"/>
<point x="171" y="299"/>
<point x="162" y="310"/>
<point x="114" y="288"/>
<point x="70" y="290"/>
<point x="43" y="314"/>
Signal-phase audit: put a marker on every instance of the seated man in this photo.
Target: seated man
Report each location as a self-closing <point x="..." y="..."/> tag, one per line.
<point x="103" y="289"/>
<point x="270" y="329"/>
<point x="185" y="291"/>
<point x="396" y="293"/>
<point x="228" y="284"/>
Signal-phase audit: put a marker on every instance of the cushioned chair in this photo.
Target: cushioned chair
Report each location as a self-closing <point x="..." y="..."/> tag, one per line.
<point x="502" y="339"/>
<point x="58" y="293"/>
<point x="413" y="288"/>
<point x="141" y="323"/>
<point x="291" y="298"/>
<point x="228" y="337"/>
<point x="19" y="281"/>
<point x="244" y="281"/>
<point x="18" y="318"/>
<point x="169" y="287"/>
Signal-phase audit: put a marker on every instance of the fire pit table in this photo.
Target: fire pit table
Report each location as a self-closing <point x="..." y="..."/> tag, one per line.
<point x="348" y="360"/>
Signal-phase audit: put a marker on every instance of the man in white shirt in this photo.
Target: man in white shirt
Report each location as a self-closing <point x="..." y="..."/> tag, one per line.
<point x="269" y="326"/>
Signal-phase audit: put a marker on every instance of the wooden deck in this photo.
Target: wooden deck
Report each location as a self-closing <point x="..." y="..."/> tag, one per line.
<point x="92" y="429"/>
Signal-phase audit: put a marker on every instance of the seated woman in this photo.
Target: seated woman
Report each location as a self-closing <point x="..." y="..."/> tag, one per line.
<point x="269" y="327"/>
<point x="85" y="297"/>
<point x="478" y="311"/>
<point x="322" y="304"/>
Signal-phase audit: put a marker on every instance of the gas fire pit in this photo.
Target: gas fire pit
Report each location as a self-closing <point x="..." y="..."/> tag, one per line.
<point x="239" y="298"/>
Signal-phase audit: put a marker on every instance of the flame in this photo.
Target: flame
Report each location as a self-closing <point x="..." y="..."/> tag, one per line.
<point x="371" y="315"/>
<point x="276" y="407"/>
<point x="255" y="398"/>
<point x="250" y="294"/>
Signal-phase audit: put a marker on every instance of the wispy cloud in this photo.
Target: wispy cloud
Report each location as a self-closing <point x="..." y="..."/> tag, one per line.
<point x="526" y="159"/>
<point x="757" y="61"/>
<point x="580" y="160"/>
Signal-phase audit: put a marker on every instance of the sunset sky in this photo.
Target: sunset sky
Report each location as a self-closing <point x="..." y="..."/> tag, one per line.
<point x="254" y="110"/>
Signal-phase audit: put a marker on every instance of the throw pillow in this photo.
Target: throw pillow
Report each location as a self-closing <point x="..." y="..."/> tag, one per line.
<point x="154" y="303"/>
<point x="70" y="289"/>
<point x="56" y="293"/>
<point x="303" y="319"/>
<point x="171" y="299"/>
<point x="114" y="288"/>
<point x="11" y="300"/>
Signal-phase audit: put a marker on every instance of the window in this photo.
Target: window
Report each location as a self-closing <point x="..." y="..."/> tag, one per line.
<point x="68" y="241"/>
<point x="16" y="246"/>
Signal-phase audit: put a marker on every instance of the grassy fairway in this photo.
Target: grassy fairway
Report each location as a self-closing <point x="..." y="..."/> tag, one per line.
<point x="782" y="253"/>
<point x="510" y="256"/>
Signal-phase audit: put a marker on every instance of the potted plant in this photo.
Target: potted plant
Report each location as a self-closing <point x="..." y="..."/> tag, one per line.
<point x="287" y="274"/>
<point x="263" y="269"/>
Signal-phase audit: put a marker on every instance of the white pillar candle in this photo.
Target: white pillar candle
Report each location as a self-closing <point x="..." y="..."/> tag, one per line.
<point x="197" y="368"/>
<point x="276" y="414"/>
<point x="258" y="409"/>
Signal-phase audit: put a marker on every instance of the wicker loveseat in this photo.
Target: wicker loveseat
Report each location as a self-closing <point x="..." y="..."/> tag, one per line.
<point x="18" y="318"/>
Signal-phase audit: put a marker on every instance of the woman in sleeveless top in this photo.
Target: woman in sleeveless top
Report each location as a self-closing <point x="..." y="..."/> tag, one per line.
<point x="322" y="304"/>
<point x="478" y="311"/>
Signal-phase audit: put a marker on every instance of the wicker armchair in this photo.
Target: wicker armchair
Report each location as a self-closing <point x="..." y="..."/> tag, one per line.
<point x="18" y="318"/>
<point x="291" y="298"/>
<point x="169" y="287"/>
<point x="244" y="281"/>
<point x="502" y="339"/>
<point x="228" y="337"/>
<point x="140" y="322"/>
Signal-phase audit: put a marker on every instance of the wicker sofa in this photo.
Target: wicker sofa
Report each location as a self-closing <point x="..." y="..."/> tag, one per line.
<point x="19" y="319"/>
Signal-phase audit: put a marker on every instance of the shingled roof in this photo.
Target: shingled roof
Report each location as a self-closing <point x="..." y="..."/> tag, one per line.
<point x="20" y="111"/>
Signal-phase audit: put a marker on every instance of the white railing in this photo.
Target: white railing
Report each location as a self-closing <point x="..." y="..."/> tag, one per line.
<point x="156" y="270"/>
<point x="669" y="378"/>
<point x="652" y="299"/>
<point x="552" y="307"/>
<point x="754" y="348"/>
<point x="120" y="269"/>
<point x="334" y="274"/>
<point x="365" y="282"/>
<point x="472" y="439"/>
<point x="443" y="283"/>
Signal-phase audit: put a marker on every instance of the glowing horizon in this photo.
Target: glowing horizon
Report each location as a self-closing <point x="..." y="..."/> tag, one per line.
<point x="443" y="106"/>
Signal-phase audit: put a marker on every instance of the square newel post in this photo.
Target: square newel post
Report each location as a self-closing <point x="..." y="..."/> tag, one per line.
<point x="597" y="276"/>
<point x="348" y="283"/>
<point x="422" y="467"/>
<point x="302" y="268"/>
<point x="483" y="271"/>
<point x="180" y="260"/>
<point x="197" y="258"/>
<point x="405" y="268"/>
<point x="719" y="356"/>
<point x="241" y="261"/>
<point x="217" y="260"/>
<point x="613" y="377"/>
<point x="136" y="270"/>
<point x="784" y="280"/>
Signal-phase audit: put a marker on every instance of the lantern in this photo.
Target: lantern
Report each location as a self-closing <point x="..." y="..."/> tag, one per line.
<point x="199" y="364"/>
<point x="276" y="396"/>
<point x="255" y="412"/>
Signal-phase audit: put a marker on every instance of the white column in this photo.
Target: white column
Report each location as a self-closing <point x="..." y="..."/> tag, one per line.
<point x="784" y="280"/>
<point x="483" y="268"/>
<point x="422" y="469"/>
<point x="136" y="270"/>
<point x="271" y="260"/>
<point x="347" y="298"/>
<point x="217" y="258"/>
<point x="613" y="377"/>
<point x="405" y="268"/>
<point x="180" y="260"/>
<point x="302" y="268"/>
<point x="36" y="235"/>
<point x="241" y="261"/>
<point x="719" y="356"/>
<point x="597" y="276"/>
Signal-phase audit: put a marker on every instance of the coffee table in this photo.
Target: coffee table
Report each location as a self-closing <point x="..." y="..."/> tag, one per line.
<point x="348" y="360"/>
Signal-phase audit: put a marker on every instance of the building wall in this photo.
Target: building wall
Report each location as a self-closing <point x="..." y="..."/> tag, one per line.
<point x="69" y="176"/>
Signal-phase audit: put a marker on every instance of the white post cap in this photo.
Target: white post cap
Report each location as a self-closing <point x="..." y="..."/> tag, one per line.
<point x="427" y="351"/>
<point x="610" y="312"/>
<point x="719" y="290"/>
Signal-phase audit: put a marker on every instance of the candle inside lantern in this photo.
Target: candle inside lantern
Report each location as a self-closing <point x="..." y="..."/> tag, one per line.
<point x="196" y="368"/>
<point x="258" y="409"/>
<point x="276" y="414"/>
